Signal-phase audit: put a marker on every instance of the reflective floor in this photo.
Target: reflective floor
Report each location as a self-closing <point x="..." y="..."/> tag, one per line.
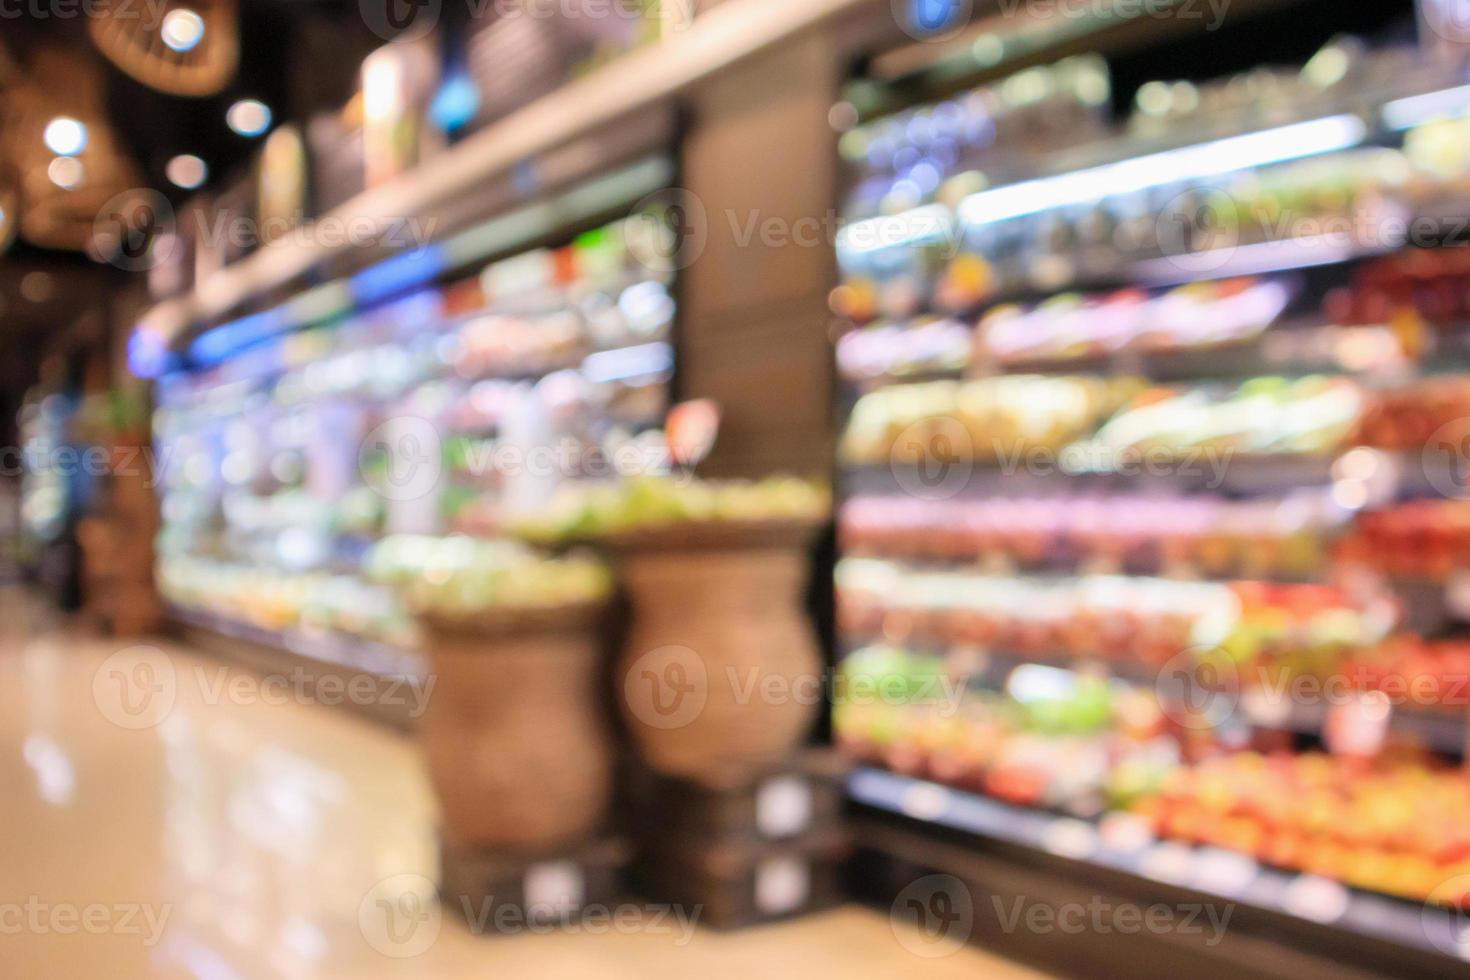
<point x="165" y="815"/>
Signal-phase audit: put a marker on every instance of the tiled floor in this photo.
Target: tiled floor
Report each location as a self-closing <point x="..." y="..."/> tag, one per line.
<point x="167" y="816"/>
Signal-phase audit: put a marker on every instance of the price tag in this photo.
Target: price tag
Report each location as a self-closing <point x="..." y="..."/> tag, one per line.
<point x="782" y="885"/>
<point x="783" y="806"/>
<point x="1224" y="872"/>
<point x="1070" y="838"/>
<point x="1457" y="594"/>
<point x="690" y="429"/>
<point x="554" y="887"/>
<point x="1319" y="899"/>
<point x="1359" y="726"/>
<point x="925" y="801"/>
<point x="1168" y="862"/>
<point x="1126" y="832"/>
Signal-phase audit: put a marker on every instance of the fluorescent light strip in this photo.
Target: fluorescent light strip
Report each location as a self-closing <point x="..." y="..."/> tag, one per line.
<point x="1223" y="156"/>
<point x="607" y="366"/>
<point x="912" y="227"/>
<point x="1418" y="109"/>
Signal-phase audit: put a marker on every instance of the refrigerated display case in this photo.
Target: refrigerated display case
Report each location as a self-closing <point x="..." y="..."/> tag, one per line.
<point x="427" y="395"/>
<point x="1148" y="494"/>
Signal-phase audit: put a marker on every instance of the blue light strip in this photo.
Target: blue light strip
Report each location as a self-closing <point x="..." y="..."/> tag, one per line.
<point x="219" y="344"/>
<point x="398" y="274"/>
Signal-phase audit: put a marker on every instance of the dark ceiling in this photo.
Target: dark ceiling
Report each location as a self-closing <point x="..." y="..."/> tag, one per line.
<point x="297" y="57"/>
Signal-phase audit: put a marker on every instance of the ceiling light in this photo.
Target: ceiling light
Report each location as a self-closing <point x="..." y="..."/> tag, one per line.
<point x="249" y="117"/>
<point x="182" y="29"/>
<point x="66" y="136"/>
<point x="187" y="171"/>
<point x="65" y="172"/>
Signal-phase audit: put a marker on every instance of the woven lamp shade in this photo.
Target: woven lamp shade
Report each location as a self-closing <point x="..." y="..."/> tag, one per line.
<point x="136" y="44"/>
<point x="53" y="216"/>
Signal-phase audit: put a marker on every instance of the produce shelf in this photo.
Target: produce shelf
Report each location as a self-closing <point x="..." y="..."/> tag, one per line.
<point x="1443" y="730"/>
<point x="327" y="647"/>
<point x="1125" y="846"/>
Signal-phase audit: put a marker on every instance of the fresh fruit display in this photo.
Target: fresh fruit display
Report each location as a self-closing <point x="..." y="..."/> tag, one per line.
<point x="427" y="415"/>
<point x="1431" y="282"/>
<point x="275" y="600"/>
<point x="509" y="344"/>
<point x="648" y="502"/>
<point x="459" y="576"/>
<point x="893" y="350"/>
<point x="1054" y="747"/>
<point x="1285" y="537"/>
<point x="1071" y="326"/>
<point x="1263" y="416"/>
<point x="982" y="420"/>
<point x="1421" y="539"/>
<point x="1143" y="621"/>
<point x="1394" y="826"/>
<point x="1321" y="329"/>
<point x="1407" y="417"/>
<point x="1413" y="671"/>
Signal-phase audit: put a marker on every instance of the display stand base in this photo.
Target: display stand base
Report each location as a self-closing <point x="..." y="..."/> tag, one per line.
<point x="731" y="885"/>
<point x="496" y="893"/>
<point x="803" y="796"/>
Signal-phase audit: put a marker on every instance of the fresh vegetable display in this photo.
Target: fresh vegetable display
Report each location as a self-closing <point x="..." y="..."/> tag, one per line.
<point x="1433" y="283"/>
<point x="278" y="601"/>
<point x="1207" y="379"/>
<point x="1408" y="416"/>
<point x="644" y="503"/>
<point x="1287" y="536"/>
<point x="1133" y="620"/>
<point x="1262" y="416"/>
<point x="1055" y="747"/>
<point x="983" y="420"/>
<point x="1422" y="538"/>
<point x="1071" y="326"/>
<point x="460" y="576"/>
<point x="897" y="350"/>
<point x="1394" y="826"/>
<point x="295" y="457"/>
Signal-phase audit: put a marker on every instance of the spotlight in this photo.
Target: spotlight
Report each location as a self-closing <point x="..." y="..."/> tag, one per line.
<point x="182" y="29"/>
<point x="66" y="136"/>
<point x="249" y="117"/>
<point x="187" y="171"/>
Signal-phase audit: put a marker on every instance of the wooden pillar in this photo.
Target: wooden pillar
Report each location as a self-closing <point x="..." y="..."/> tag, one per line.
<point x="760" y="158"/>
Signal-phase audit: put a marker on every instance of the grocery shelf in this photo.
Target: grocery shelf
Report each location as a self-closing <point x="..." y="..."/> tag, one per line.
<point x="1444" y="730"/>
<point x="1241" y="474"/>
<point x="717" y="38"/>
<point x="1253" y="259"/>
<point x="1414" y="474"/>
<point x="999" y="563"/>
<point x="1123" y="844"/>
<point x="327" y="647"/>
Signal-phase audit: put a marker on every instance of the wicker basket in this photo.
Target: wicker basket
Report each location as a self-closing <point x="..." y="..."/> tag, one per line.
<point x="719" y="678"/>
<point x="517" y="744"/>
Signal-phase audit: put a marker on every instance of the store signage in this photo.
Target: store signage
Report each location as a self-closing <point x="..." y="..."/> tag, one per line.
<point x="692" y="428"/>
